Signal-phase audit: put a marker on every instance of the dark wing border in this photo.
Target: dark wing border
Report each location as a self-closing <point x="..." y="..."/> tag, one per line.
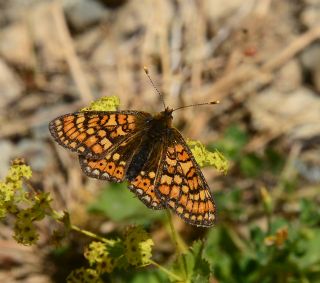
<point x="174" y="137"/>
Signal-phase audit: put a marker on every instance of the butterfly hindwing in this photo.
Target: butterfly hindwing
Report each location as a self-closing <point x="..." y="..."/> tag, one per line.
<point x="113" y="166"/>
<point x="93" y="134"/>
<point x="181" y="185"/>
<point x="144" y="182"/>
<point x="118" y="164"/>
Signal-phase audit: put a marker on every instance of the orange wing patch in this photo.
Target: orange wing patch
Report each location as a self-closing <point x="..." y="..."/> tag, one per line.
<point x="144" y="187"/>
<point x="182" y="186"/>
<point x="104" y="169"/>
<point x="92" y="134"/>
<point x="113" y="166"/>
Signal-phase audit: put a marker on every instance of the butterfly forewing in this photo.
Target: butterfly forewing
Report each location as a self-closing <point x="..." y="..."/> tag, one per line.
<point x="181" y="185"/>
<point x="93" y="134"/>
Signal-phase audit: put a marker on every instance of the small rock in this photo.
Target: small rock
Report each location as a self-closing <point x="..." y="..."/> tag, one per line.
<point x="289" y="76"/>
<point x="310" y="16"/>
<point x="45" y="36"/>
<point x="310" y="59"/>
<point x="104" y="55"/>
<point x="295" y="115"/>
<point x="37" y="154"/>
<point x="87" y="40"/>
<point x="10" y="85"/>
<point x="308" y="162"/>
<point x="16" y="45"/>
<point x="40" y="132"/>
<point x="83" y="13"/>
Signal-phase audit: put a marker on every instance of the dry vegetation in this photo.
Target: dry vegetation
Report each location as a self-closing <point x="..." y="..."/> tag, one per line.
<point x="260" y="58"/>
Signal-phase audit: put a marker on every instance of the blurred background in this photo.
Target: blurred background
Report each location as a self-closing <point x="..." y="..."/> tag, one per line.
<point x="260" y="58"/>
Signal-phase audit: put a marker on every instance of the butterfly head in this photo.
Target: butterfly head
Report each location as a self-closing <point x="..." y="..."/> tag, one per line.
<point x="164" y="118"/>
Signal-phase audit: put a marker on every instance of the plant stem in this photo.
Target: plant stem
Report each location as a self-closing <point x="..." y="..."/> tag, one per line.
<point x="179" y="243"/>
<point x="180" y="246"/>
<point x="165" y="270"/>
<point x="90" y="234"/>
<point x="55" y="215"/>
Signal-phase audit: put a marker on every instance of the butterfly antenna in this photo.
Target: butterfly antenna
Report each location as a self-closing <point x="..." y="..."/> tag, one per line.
<point x="200" y="104"/>
<point x="160" y="94"/>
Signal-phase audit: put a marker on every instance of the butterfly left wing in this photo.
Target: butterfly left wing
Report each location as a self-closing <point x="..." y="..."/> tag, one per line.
<point x="119" y="165"/>
<point x="181" y="184"/>
<point x="114" y="165"/>
<point x="94" y="133"/>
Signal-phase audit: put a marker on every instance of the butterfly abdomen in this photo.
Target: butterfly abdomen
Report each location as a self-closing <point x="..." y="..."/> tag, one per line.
<point x="152" y="137"/>
<point x="138" y="160"/>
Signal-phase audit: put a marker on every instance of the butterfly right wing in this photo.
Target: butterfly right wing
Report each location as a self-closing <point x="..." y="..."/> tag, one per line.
<point x="181" y="185"/>
<point x="92" y="134"/>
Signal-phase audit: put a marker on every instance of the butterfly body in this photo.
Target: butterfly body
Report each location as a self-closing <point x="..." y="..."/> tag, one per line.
<point x="146" y="151"/>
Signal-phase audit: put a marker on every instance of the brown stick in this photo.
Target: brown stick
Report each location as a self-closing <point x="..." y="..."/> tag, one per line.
<point x="70" y="53"/>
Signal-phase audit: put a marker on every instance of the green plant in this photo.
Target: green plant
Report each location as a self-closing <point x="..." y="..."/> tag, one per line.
<point x="132" y="249"/>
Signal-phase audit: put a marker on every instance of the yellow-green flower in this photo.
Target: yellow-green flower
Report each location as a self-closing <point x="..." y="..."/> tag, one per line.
<point x="205" y="157"/>
<point x="84" y="275"/>
<point x="138" y="246"/>
<point x="17" y="171"/>
<point x="11" y="207"/>
<point x="3" y="211"/>
<point x="107" y="103"/>
<point x="6" y="192"/>
<point x="25" y="232"/>
<point x="41" y="206"/>
<point x="98" y="255"/>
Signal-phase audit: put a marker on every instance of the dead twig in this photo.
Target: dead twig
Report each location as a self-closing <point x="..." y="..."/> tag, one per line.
<point x="16" y="127"/>
<point x="70" y="53"/>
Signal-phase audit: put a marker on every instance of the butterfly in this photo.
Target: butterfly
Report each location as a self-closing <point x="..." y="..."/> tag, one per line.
<point x="146" y="151"/>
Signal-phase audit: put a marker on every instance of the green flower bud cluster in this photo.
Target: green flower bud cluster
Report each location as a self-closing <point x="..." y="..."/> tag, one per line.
<point x="26" y="207"/>
<point x="134" y="249"/>
<point x="205" y="157"/>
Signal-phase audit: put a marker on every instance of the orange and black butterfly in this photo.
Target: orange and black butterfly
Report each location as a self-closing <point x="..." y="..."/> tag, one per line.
<point x="143" y="149"/>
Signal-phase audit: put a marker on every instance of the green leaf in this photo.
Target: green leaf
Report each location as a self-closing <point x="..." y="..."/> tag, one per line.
<point x="232" y="143"/>
<point x="274" y="160"/>
<point x="309" y="255"/>
<point x="310" y="212"/>
<point x="251" y="165"/>
<point x="192" y="266"/>
<point x="154" y="276"/>
<point x="231" y="204"/>
<point x="119" y="204"/>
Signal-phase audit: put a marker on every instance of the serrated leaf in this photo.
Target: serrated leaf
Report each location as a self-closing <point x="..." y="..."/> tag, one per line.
<point x="119" y="204"/>
<point x="192" y="266"/>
